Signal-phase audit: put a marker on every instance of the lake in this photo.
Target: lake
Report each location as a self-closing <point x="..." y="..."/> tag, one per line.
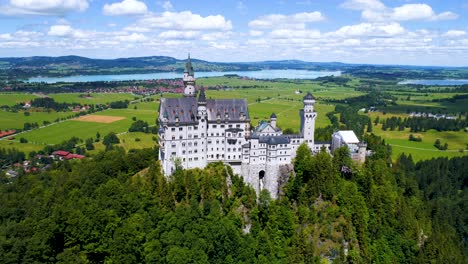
<point x="436" y="82"/>
<point x="263" y="74"/>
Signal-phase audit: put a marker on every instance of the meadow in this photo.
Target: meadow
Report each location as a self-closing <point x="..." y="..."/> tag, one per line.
<point x="264" y="98"/>
<point x="96" y="98"/>
<point x="399" y="140"/>
<point x="60" y="132"/>
<point x="11" y="99"/>
<point x="12" y="120"/>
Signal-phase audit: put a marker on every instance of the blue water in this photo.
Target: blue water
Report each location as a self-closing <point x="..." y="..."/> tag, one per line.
<point x="436" y="82"/>
<point x="263" y="74"/>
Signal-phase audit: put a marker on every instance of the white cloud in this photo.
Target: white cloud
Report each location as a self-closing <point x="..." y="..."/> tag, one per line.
<point x="419" y="12"/>
<point x="454" y="33"/>
<point x="255" y="33"/>
<point x="185" y="20"/>
<point x="43" y="7"/>
<point x="6" y="36"/>
<point x="363" y="5"/>
<point x="174" y="34"/>
<point x="67" y="31"/>
<point x="368" y="29"/>
<point x="294" y="34"/>
<point x="374" y="10"/>
<point x="297" y="20"/>
<point x="134" y="37"/>
<point x="216" y="36"/>
<point x="126" y="7"/>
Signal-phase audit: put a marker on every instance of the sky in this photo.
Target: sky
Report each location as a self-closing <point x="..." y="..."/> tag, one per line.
<point x="404" y="32"/>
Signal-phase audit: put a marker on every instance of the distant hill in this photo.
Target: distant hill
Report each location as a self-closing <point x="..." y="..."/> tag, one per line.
<point x="25" y="67"/>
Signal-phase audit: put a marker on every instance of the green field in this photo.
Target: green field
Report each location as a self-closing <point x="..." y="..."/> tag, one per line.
<point x="11" y="99"/>
<point x="96" y="98"/>
<point x="456" y="140"/>
<point x="25" y="147"/>
<point x="11" y="120"/>
<point x="57" y="133"/>
<point x="275" y="96"/>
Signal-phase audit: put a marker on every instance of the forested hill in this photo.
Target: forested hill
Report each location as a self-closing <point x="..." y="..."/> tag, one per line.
<point x="111" y="209"/>
<point x="25" y="67"/>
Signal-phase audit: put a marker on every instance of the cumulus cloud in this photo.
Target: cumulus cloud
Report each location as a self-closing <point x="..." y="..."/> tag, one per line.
<point x="255" y="33"/>
<point x="174" y="34"/>
<point x="67" y="31"/>
<point x="295" y="34"/>
<point x="286" y="21"/>
<point x="374" y="10"/>
<point x="185" y="20"/>
<point x="455" y="33"/>
<point x="43" y="7"/>
<point x="370" y="30"/>
<point x="126" y="7"/>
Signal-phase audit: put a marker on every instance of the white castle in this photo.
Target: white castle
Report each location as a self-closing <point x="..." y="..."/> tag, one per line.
<point x="195" y="131"/>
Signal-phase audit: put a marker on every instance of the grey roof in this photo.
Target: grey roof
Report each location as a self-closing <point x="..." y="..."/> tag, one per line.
<point x="273" y="140"/>
<point x="264" y="124"/>
<point x="202" y="96"/>
<point x="232" y="107"/>
<point x="273" y="115"/>
<point x="309" y="96"/>
<point x="183" y="108"/>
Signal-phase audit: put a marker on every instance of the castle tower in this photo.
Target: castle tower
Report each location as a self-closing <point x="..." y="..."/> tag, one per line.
<point x="273" y="120"/>
<point x="308" y="116"/>
<point x="189" y="78"/>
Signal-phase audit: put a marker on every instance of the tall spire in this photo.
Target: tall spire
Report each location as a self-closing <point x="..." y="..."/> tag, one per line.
<point x="188" y="66"/>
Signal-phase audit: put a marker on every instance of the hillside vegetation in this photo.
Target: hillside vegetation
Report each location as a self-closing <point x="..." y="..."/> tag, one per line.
<point x="108" y="209"/>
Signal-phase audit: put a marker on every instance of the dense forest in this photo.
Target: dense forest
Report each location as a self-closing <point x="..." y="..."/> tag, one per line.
<point x="118" y="208"/>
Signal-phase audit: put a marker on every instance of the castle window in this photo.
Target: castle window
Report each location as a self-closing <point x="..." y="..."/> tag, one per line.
<point x="237" y="125"/>
<point x="222" y="126"/>
<point x="173" y="137"/>
<point x="196" y="127"/>
<point x="180" y="137"/>
<point x="172" y="128"/>
<point x="180" y="128"/>
<point x="214" y="126"/>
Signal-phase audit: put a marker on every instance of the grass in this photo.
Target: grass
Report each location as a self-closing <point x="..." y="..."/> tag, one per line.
<point x="11" y="99"/>
<point x="10" y="120"/>
<point x="60" y="132"/>
<point x="25" y="147"/>
<point x="96" y="98"/>
<point x="129" y="140"/>
<point x="456" y="140"/>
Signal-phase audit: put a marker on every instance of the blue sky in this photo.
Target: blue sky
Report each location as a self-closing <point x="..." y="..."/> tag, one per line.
<point x="423" y="32"/>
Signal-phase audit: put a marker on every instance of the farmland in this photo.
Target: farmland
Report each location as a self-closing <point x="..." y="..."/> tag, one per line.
<point x="11" y="99"/>
<point x="95" y="98"/>
<point x="264" y="98"/>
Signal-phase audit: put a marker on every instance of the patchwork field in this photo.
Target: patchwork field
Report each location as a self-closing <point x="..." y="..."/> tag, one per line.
<point x="57" y="133"/>
<point x="96" y="98"/>
<point x="11" y="120"/>
<point x="456" y="140"/>
<point x="11" y="99"/>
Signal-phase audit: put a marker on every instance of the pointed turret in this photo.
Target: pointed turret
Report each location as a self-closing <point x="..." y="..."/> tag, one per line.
<point x="189" y="78"/>
<point x="189" y="67"/>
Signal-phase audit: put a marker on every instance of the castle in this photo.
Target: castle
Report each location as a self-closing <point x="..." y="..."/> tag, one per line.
<point x="195" y="131"/>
